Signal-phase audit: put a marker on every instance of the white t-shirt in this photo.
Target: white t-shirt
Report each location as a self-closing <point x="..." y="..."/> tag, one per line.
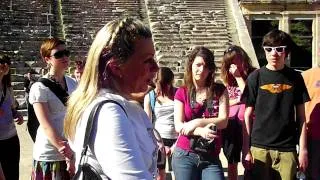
<point x="124" y="146"/>
<point x="164" y="122"/>
<point x="43" y="150"/>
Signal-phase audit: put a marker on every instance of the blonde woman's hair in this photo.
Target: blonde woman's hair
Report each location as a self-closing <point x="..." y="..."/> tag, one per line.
<point x="116" y="39"/>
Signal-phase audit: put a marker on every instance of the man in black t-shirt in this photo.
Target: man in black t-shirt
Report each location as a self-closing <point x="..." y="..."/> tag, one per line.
<point x="274" y="94"/>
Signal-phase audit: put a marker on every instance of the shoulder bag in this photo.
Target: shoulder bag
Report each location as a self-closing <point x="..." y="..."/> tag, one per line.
<point x="33" y="123"/>
<point x="85" y="170"/>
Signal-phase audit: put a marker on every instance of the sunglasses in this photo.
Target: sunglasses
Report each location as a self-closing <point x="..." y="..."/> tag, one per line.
<point x="230" y="49"/>
<point x="79" y="63"/>
<point x="5" y="62"/>
<point x="278" y="49"/>
<point x="61" y="54"/>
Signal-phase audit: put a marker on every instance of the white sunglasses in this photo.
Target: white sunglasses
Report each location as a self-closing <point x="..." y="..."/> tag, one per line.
<point x="278" y="49"/>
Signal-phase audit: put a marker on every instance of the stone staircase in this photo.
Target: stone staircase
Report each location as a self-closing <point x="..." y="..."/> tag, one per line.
<point x="178" y="26"/>
<point x="83" y="18"/>
<point x="23" y="26"/>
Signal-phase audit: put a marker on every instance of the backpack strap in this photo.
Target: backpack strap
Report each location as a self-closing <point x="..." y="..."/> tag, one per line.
<point x="152" y="97"/>
<point x="56" y="89"/>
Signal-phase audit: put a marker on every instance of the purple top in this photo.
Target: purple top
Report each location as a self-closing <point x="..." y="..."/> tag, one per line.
<point x="183" y="141"/>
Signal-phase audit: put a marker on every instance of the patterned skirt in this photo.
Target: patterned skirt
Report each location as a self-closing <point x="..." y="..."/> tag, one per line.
<point x="43" y="170"/>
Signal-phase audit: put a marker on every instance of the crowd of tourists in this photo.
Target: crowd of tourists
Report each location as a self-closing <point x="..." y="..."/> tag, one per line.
<point x="121" y="117"/>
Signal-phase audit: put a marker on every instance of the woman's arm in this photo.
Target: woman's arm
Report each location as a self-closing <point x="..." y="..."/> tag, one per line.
<point x="241" y="83"/>
<point x="116" y="145"/>
<point x="247" y="159"/>
<point x="222" y="120"/>
<point x="303" y="151"/>
<point x="178" y="115"/>
<point x="147" y="106"/>
<point x="41" y="110"/>
<point x="235" y="72"/>
<point x="196" y="126"/>
<point x="17" y="117"/>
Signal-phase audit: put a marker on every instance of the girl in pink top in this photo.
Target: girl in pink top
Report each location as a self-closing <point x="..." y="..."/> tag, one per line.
<point x="236" y="66"/>
<point x="198" y="106"/>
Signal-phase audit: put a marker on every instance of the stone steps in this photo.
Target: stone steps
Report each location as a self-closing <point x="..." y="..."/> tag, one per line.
<point x="177" y="27"/>
<point x="82" y="19"/>
<point x="185" y="24"/>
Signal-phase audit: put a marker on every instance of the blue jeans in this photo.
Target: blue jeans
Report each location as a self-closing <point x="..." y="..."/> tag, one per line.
<point x="188" y="166"/>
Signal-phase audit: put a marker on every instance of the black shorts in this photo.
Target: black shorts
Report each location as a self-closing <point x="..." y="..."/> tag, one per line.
<point x="232" y="141"/>
<point x="169" y="143"/>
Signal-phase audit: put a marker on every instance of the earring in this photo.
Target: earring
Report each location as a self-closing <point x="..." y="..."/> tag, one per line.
<point x="105" y="75"/>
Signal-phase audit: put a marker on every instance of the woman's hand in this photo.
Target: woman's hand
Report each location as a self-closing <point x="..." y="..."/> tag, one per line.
<point x="189" y="127"/>
<point x="65" y="150"/>
<point x="71" y="168"/>
<point x="18" y="118"/>
<point x="247" y="160"/>
<point x="303" y="160"/>
<point x="234" y="70"/>
<point x="168" y="150"/>
<point x="208" y="133"/>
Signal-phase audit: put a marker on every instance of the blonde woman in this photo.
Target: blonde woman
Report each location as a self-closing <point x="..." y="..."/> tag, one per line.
<point x="120" y="64"/>
<point x="52" y="154"/>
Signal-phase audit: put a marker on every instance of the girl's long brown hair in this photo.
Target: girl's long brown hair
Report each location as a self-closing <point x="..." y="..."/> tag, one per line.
<point x="164" y="82"/>
<point x="227" y="59"/>
<point x="208" y="57"/>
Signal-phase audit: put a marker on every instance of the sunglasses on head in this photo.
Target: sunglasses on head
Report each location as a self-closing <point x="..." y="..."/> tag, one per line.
<point x="278" y="49"/>
<point x="61" y="54"/>
<point x="230" y="49"/>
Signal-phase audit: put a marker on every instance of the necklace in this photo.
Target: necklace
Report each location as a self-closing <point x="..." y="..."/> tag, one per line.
<point x="201" y="95"/>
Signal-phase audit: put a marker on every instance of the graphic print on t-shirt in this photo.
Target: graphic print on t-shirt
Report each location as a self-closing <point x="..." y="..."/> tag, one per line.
<point x="276" y="88"/>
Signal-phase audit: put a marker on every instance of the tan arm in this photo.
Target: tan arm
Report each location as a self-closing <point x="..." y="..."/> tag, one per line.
<point x="41" y="110"/>
<point x="178" y="115"/>
<point x="303" y="152"/>
<point x="247" y="129"/>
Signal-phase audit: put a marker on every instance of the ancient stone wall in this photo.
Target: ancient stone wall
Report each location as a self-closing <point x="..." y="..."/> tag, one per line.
<point x="177" y="27"/>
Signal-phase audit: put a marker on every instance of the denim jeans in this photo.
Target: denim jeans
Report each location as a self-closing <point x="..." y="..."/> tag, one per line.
<point x="188" y="166"/>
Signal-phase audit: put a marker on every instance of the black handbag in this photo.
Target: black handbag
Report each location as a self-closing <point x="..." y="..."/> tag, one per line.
<point x="85" y="170"/>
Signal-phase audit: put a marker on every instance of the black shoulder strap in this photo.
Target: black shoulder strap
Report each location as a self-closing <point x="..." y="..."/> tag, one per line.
<point x="258" y="81"/>
<point x="56" y="89"/>
<point x="91" y="118"/>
